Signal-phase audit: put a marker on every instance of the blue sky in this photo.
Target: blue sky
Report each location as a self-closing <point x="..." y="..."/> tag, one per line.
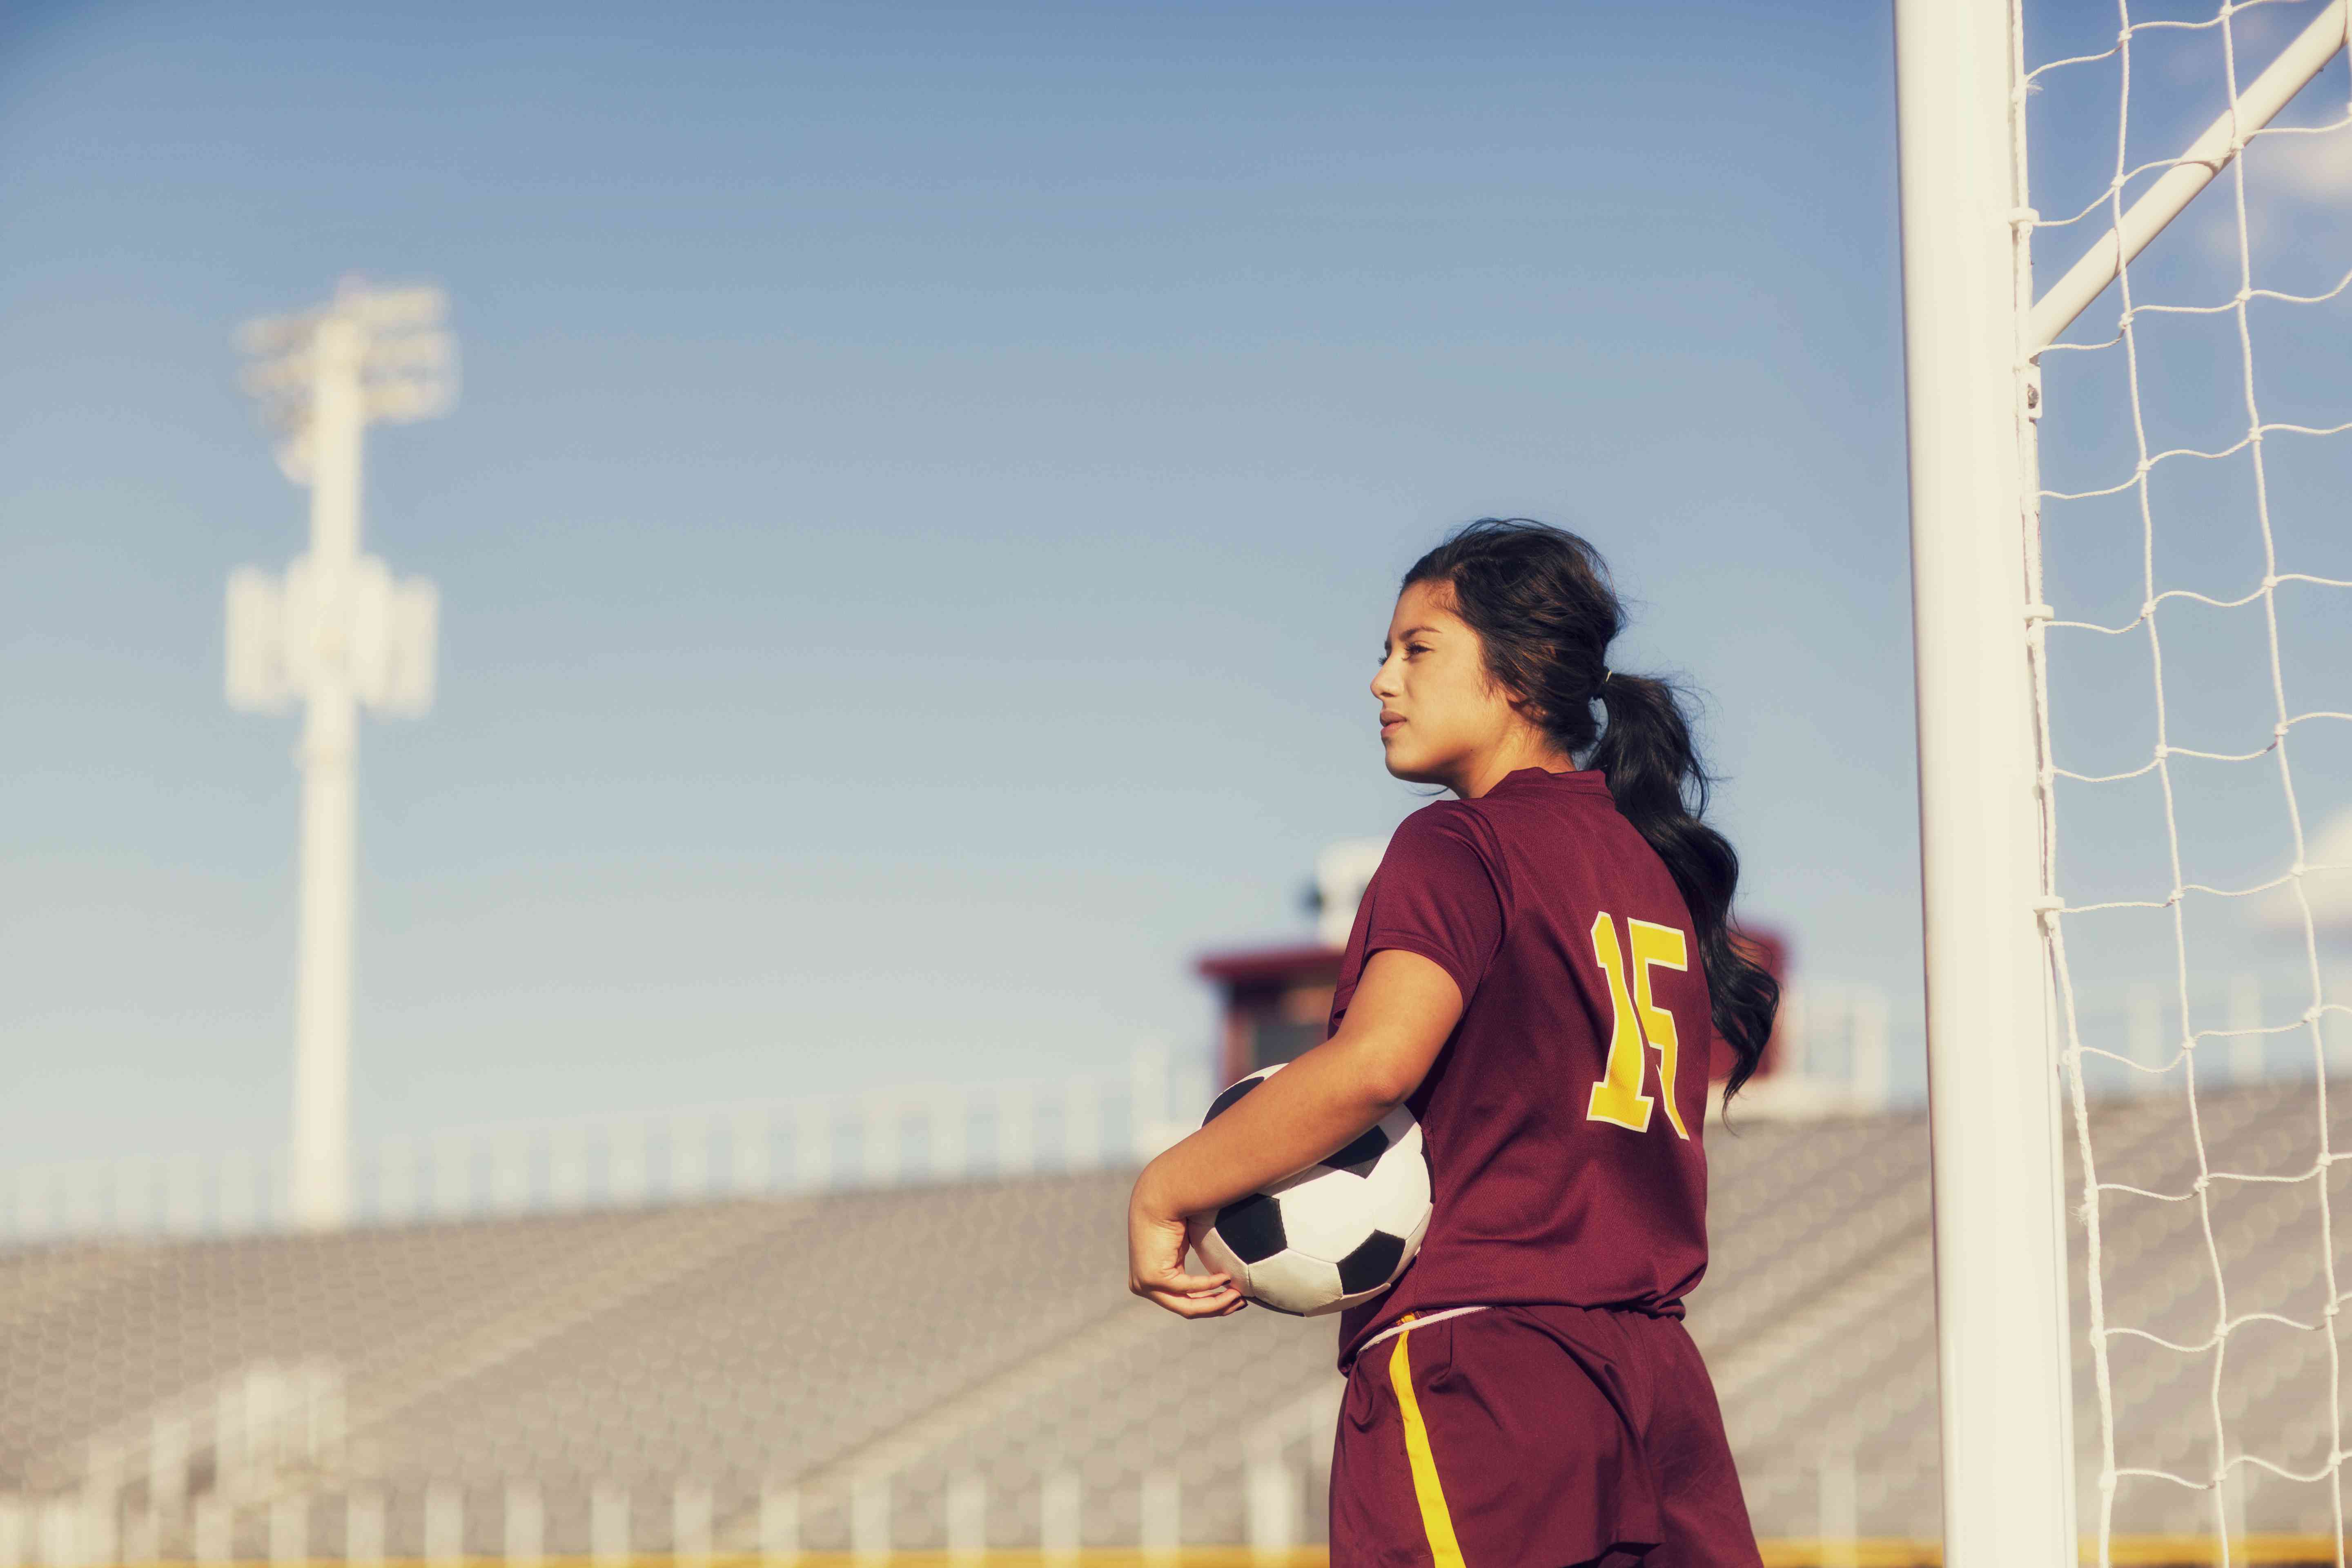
<point x="923" y="508"/>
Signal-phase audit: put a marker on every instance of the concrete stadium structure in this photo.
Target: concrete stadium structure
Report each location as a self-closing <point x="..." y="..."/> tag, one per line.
<point x="959" y="1366"/>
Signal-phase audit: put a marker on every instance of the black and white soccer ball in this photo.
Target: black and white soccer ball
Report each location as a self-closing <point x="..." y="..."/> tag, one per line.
<point x="1336" y="1233"/>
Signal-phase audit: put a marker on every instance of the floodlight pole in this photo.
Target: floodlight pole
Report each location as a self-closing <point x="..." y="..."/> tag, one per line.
<point x="1971" y="397"/>
<point x="319" y="1185"/>
<point x="335" y="631"/>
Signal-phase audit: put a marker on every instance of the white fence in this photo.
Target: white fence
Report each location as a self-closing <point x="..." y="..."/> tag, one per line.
<point x="252" y="1466"/>
<point x="1837" y="1042"/>
<point x="448" y="1526"/>
<point x="1836" y="1039"/>
<point x="1834" y="1054"/>
<point x="2247" y="1027"/>
<point x="879" y="1139"/>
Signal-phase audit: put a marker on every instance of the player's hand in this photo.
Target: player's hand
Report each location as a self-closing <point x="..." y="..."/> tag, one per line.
<point x="1155" y="1266"/>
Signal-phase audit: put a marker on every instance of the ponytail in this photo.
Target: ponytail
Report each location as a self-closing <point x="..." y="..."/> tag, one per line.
<point x="1661" y="787"/>
<point x="1540" y="600"/>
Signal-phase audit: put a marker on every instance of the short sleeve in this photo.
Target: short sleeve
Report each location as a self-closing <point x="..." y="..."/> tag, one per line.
<point x="1435" y="895"/>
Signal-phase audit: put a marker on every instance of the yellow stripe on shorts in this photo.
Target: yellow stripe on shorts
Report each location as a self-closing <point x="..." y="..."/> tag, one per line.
<point x="1436" y="1520"/>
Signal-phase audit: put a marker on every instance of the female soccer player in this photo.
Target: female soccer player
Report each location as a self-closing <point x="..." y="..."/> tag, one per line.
<point x="1536" y="970"/>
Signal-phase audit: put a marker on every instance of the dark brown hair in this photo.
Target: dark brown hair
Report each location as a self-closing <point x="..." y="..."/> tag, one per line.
<point x="1540" y="600"/>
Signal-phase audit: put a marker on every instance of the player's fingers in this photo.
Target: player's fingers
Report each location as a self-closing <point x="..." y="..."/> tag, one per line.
<point x="1171" y="1275"/>
<point x="1213" y="1305"/>
<point x="1175" y="1279"/>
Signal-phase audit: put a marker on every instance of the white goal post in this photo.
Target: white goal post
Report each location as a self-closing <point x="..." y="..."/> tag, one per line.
<point x="1973" y="332"/>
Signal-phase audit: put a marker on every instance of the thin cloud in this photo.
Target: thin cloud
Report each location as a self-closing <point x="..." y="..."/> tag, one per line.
<point x="2316" y="168"/>
<point x="2326" y="884"/>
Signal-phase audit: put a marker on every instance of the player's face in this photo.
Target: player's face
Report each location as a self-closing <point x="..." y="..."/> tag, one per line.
<point x="1441" y="714"/>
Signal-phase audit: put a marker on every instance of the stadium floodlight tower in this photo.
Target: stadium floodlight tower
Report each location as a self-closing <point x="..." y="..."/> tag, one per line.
<point x="335" y="630"/>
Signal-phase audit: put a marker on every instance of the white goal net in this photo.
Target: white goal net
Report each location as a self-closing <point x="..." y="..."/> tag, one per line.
<point x="2189" y="630"/>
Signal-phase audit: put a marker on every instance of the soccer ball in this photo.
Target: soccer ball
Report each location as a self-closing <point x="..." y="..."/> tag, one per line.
<point x="1337" y="1232"/>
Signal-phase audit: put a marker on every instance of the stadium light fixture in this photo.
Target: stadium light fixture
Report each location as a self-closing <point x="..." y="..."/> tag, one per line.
<point x="337" y="631"/>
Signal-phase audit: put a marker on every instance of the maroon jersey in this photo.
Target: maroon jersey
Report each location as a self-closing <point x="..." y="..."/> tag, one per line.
<point x="1563" y="1117"/>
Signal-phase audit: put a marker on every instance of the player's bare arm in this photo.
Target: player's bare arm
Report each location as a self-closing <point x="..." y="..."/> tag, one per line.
<point x="1402" y="1011"/>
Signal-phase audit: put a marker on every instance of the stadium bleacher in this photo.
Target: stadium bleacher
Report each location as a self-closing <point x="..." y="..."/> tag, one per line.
<point x="886" y="1359"/>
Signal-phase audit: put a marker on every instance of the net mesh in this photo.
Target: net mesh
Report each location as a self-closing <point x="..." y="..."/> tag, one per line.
<point x="2190" y="640"/>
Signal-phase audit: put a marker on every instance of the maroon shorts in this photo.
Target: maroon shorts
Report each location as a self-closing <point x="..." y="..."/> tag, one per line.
<point x="1535" y="1436"/>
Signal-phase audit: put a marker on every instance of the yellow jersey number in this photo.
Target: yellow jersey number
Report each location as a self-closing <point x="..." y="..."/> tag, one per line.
<point x="1619" y="1097"/>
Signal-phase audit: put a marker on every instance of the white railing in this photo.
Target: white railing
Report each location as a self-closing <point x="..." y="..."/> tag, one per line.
<point x="1837" y="1042"/>
<point x="881" y="1138"/>
<point x="618" y="1523"/>
<point x="2248" y="1027"/>
<point x="1833" y="1056"/>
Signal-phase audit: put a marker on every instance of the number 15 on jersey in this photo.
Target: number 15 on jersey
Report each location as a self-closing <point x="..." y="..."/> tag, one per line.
<point x="1636" y="1018"/>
